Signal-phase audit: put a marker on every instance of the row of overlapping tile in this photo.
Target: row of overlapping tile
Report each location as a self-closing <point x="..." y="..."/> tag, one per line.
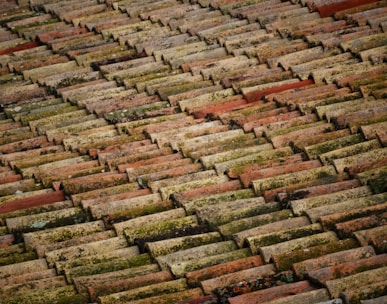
<point x="194" y="151"/>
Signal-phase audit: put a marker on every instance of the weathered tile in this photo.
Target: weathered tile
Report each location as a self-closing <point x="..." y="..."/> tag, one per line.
<point x="282" y="166"/>
<point x="23" y="267"/>
<point x="33" y="239"/>
<point x="146" y="292"/>
<point x="110" y="287"/>
<point x="197" y="180"/>
<point x="307" y="241"/>
<point x="335" y="258"/>
<point x="263" y="155"/>
<point x="361" y="160"/>
<point x="246" y="236"/>
<point x="315" y="213"/>
<point x="299" y="206"/>
<point x="364" y="278"/>
<point x="75" y="266"/>
<point x="119" y="263"/>
<point x="292" y="178"/>
<point x="211" y="195"/>
<point x="210" y="285"/>
<point x="45" y="220"/>
<point x="273" y="293"/>
<point x="124" y="206"/>
<point x="140" y="221"/>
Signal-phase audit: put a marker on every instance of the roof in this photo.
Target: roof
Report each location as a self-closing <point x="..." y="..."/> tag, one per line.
<point x="173" y="151"/>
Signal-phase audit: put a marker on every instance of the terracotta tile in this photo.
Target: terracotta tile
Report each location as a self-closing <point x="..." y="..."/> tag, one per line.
<point x="273" y="293"/>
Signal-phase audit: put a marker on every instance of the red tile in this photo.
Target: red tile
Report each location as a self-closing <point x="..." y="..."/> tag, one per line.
<point x="37" y="200"/>
<point x="25" y="46"/>
<point x="254" y="96"/>
<point x="283" y="166"/>
<point x="10" y="178"/>
<point x="196" y="276"/>
<point x="331" y="8"/>
<point x="214" y="111"/>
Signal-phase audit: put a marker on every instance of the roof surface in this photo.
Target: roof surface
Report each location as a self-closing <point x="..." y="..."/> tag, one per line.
<point x="181" y="151"/>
